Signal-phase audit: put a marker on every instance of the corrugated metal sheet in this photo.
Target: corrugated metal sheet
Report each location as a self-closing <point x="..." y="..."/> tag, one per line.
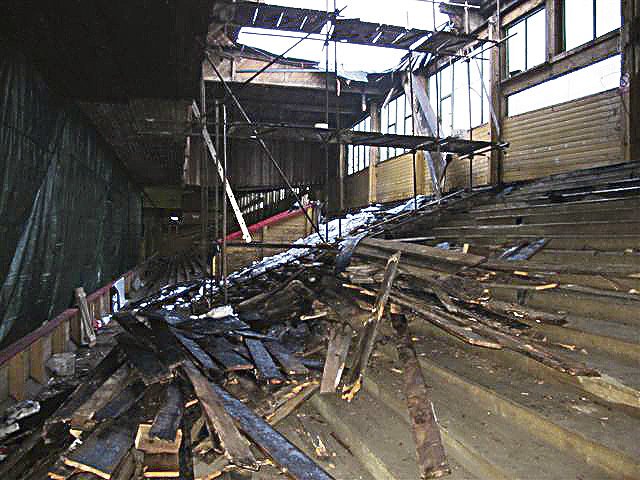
<point x="578" y="134"/>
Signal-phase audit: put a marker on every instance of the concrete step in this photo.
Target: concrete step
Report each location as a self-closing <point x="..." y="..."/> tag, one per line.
<point x="564" y="415"/>
<point x="378" y="436"/>
<point x="489" y="444"/>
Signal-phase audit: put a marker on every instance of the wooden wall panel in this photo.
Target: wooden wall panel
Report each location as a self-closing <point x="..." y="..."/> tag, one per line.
<point x="458" y="172"/>
<point x="573" y="135"/>
<point x="356" y="189"/>
<point x="395" y="178"/>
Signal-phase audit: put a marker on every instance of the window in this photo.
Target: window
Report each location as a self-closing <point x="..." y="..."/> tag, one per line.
<point x="450" y="92"/>
<point x="358" y="156"/>
<point x="586" y="20"/>
<point x="595" y="78"/>
<point x="528" y="45"/>
<point x="395" y="118"/>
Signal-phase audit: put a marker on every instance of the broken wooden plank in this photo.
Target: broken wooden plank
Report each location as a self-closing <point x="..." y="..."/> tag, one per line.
<point x="83" y="417"/>
<point x="105" y="368"/>
<point x="199" y="355"/>
<point x="290" y="364"/>
<point x="266" y="369"/>
<point x="432" y="462"/>
<point x="429" y="254"/>
<point x="169" y="417"/>
<point x="148" y="444"/>
<point x="339" y="342"/>
<point x="123" y="402"/>
<point x="367" y="338"/>
<point x="236" y="447"/>
<point x="276" y="446"/>
<point x="222" y="352"/>
<point x="145" y="361"/>
<point x="161" y="465"/>
<point x="103" y="451"/>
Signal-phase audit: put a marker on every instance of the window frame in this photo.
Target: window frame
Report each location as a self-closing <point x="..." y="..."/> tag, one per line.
<point x="594" y="26"/>
<point x="525" y="19"/>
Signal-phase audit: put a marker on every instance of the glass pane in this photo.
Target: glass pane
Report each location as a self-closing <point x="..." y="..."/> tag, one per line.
<point x="608" y="16"/>
<point x="460" y="97"/>
<point x="516" y="49"/>
<point x="392" y="114"/>
<point x="536" y="39"/>
<point x="446" y="81"/>
<point x="433" y="100"/>
<point x="598" y="77"/>
<point x="578" y="22"/>
<point x="400" y="122"/>
<point x="446" y="114"/>
<point x="408" y="126"/>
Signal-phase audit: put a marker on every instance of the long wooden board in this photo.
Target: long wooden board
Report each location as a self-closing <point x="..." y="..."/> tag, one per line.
<point x="235" y="446"/>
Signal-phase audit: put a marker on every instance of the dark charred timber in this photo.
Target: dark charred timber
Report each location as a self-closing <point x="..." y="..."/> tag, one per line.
<point x="93" y="457"/>
<point x="186" y="453"/>
<point x="121" y="403"/>
<point x="432" y="461"/>
<point x="213" y="326"/>
<point x="223" y="353"/>
<point x="339" y="342"/>
<point x="83" y="418"/>
<point x="290" y="364"/>
<point x="280" y="245"/>
<point x="169" y="417"/>
<point x="367" y="338"/>
<point x="266" y="370"/>
<point x="199" y="355"/>
<point x="218" y="420"/>
<point x="343" y="259"/>
<point x="105" y="368"/>
<point x="165" y="343"/>
<point x="278" y="448"/>
<point x="145" y="361"/>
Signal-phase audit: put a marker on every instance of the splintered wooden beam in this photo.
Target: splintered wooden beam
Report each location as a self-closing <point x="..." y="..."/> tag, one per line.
<point x="218" y="420"/>
<point x="291" y="364"/>
<point x="167" y="421"/>
<point x="339" y="342"/>
<point x="432" y="461"/>
<point x="145" y="361"/>
<point x="277" y="447"/>
<point x="266" y="369"/>
<point x="367" y="338"/>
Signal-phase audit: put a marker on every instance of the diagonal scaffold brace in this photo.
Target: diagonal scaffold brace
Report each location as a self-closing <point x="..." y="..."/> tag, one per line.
<point x="214" y="156"/>
<point x="263" y="145"/>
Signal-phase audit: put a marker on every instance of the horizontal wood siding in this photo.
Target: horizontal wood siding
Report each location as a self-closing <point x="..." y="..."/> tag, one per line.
<point x="578" y="134"/>
<point x="395" y="178"/>
<point x="356" y="189"/>
<point x="458" y="172"/>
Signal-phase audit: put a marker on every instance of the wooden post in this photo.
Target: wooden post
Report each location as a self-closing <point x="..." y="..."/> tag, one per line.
<point x="554" y="28"/>
<point x="341" y="172"/>
<point x="18" y="372"/>
<point x="497" y="101"/>
<point x="39" y="352"/>
<point x="60" y="338"/>
<point x="630" y="47"/>
<point x="374" y="153"/>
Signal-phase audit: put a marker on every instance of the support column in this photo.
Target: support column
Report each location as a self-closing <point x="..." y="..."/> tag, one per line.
<point x="554" y="28"/>
<point x="498" y="102"/>
<point x="630" y="47"/>
<point x="374" y="153"/>
<point x="341" y="173"/>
